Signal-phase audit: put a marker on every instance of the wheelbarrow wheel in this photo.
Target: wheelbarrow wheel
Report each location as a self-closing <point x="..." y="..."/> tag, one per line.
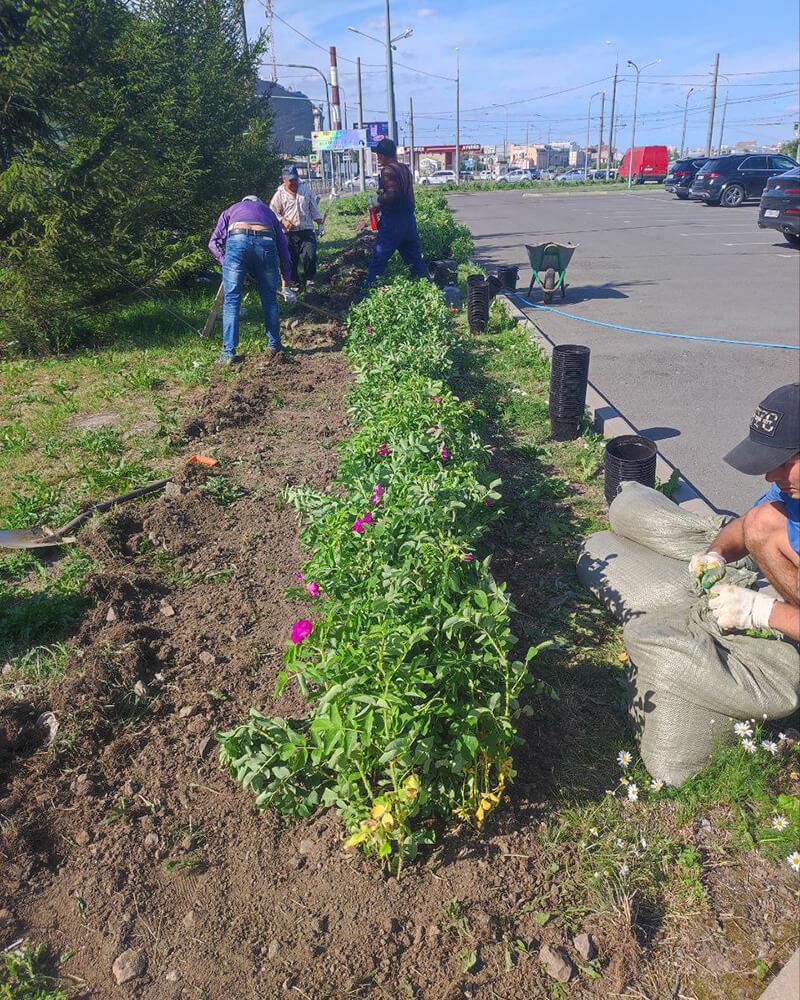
<point x="548" y="285"/>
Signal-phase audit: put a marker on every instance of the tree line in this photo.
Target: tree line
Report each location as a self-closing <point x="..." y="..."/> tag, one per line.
<point x="125" y="127"/>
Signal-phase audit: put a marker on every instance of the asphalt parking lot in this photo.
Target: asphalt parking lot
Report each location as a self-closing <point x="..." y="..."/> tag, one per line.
<point x="649" y="261"/>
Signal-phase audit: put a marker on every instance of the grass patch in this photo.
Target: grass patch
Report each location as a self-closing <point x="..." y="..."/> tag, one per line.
<point x="22" y="978"/>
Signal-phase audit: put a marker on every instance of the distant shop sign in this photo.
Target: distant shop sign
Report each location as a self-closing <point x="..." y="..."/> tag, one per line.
<point x="339" y="140"/>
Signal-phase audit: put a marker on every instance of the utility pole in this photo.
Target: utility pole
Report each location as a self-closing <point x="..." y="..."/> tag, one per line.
<point x="362" y="153"/>
<point x="390" y="77"/>
<point x="602" y="122"/>
<point x="710" y="134"/>
<point x="722" y="123"/>
<point x="336" y="124"/>
<point x="458" y="116"/>
<point x="271" y="36"/>
<point x="685" y="112"/>
<point x="586" y="154"/>
<point x="243" y="25"/>
<point x="411" y="134"/>
<point x="611" y="120"/>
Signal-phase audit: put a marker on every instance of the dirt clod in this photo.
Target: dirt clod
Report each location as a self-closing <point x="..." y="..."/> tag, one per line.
<point x="556" y="964"/>
<point x="131" y="964"/>
<point x="585" y="946"/>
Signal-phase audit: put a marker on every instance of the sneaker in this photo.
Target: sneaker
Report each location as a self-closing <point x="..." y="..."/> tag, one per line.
<point x="310" y="285"/>
<point x="276" y="356"/>
<point x="230" y="359"/>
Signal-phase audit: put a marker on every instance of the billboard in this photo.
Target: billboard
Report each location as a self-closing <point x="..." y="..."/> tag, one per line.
<point x="339" y="140"/>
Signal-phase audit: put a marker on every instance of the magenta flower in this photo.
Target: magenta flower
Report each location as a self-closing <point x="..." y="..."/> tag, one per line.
<point x="301" y="630"/>
<point x="436" y="399"/>
<point x="369" y="329"/>
<point x="358" y="526"/>
<point x="445" y="454"/>
<point x="368" y="518"/>
<point x="468" y="557"/>
<point x="313" y="588"/>
<point x="377" y="493"/>
<point x="488" y="502"/>
<point x="384" y="449"/>
<point x="300" y="577"/>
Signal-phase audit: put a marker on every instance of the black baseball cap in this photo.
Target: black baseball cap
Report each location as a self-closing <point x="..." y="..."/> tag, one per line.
<point x="774" y="435"/>
<point x="386" y="147"/>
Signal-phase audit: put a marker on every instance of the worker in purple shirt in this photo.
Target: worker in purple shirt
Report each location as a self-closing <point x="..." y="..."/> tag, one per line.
<point x="249" y="240"/>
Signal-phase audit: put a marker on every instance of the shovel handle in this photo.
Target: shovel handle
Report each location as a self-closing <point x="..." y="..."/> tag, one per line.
<point x="140" y="491"/>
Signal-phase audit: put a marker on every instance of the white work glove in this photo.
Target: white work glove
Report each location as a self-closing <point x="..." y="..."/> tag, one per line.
<point x="288" y="295"/>
<point x="373" y="201"/>
<point x="706" y="569"/>
<point x="737" y="607"/>
<point x="320" y="231"/>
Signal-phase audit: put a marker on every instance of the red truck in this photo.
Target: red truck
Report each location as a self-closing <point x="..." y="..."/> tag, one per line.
<point x="649" y="164"/>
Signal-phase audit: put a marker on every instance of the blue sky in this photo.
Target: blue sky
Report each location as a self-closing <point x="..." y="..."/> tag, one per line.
<point x="511" y="60"/>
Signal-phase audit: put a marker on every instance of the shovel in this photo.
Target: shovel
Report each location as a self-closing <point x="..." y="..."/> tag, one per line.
<point x="43" y="538"/>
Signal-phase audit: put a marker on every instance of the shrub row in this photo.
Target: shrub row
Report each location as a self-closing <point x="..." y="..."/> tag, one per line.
<point x="407" y="665"/>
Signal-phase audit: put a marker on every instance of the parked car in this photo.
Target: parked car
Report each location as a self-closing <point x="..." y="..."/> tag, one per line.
<point x="780" y="206"/>
<point x="573" y="176"/>
<point x="647" y="163"/>
<point x="353" y="184"/>
<point x="731" y="180"/>
<point x="440" y="177"/>
<point x="547" y="175"/>
<point x="516" y="175"/>
<point x="602" y="175"/>
<point x="680" y="175"/>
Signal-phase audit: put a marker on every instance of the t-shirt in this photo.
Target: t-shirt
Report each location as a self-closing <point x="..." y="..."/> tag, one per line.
<point x="301" y="209"/>
<point x="792" y="512"/>
<point x="258" y="213"/>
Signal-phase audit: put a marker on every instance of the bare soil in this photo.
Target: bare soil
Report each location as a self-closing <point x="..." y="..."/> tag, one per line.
<point x="126" y="835"/>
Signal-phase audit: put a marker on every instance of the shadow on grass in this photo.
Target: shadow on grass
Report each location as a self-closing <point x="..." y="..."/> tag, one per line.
<point x="570" y="744"/>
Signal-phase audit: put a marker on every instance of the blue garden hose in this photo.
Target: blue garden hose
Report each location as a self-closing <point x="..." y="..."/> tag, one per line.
<point x="656" y="333"/>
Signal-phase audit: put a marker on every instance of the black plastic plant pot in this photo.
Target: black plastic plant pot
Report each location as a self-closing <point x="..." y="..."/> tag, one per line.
<point x="475" y="279"/>
<point x="445" y="272"/>
<point x="629" y="457"/>
<point x="477" y="303"/>
<point x="564" y="430"/>
<point x="569" y="375"/>
<point x="508" y="277"/>
<point x="494" y="283"/>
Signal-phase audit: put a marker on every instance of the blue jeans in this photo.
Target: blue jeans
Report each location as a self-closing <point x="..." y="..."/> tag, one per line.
<point x="397" y="232"/>
<point x="256" y="256"/>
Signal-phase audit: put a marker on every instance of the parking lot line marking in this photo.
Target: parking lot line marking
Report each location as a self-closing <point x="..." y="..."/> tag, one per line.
<point x="751" y="243"/>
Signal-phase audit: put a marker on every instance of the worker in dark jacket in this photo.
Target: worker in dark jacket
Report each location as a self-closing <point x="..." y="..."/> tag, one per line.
<point x="397" y="229"/>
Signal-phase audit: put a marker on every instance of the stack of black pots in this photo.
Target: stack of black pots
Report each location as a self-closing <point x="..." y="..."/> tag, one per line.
<point x="629" y="457"/>
<point x="477" y="302"/>
<point x="568" y="379"/>
<point x="508" y="277"/>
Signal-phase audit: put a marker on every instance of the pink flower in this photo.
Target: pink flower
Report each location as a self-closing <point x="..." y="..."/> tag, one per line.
<point x="468" y="557"/>
<point x="369" y="329"/>
<point x="384" y="449"/>
<point x="377" y="493"/>
<point x="445" y="454"/>
<point x="368" y="518"/>
<point x="301" y="630"/>
<point x="313" y="588"/>
<point x="488" y="502"/>
<point x="436" y="399"/>
<point x="358" y="526"/>
<point x="300" y="577"/>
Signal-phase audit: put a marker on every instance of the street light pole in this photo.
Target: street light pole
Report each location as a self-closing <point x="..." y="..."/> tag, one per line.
<point x="722" y="123"/>
<point x="458" y="116"/>
<point x="390" y="77"/>
<point x="588" y="129"/>
<point x="613" y="111"/>
<point x="362" y="153"/>
<point x="635" y="108"/>
<point x="602" y="123"/>
<point x="685" y="113"/>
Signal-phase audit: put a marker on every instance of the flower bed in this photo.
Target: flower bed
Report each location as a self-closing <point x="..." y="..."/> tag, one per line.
<point x="408" y="669"/>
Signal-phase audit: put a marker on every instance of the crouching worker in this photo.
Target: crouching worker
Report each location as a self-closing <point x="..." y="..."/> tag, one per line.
<point x="248" y="241"/>
<point x="397" y="229"/>
<point x="705" y="649"/>
<point x="296" y="207"/>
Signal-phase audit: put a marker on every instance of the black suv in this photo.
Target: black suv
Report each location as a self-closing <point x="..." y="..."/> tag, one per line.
<point x="730" y="180"/>
<point x="681" y="174"/>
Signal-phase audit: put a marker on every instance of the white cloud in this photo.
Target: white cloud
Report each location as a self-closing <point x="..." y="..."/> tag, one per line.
<point x="426" y="12"/>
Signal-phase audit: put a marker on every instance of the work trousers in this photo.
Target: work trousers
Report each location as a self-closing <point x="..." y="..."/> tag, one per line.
<point x="256" y="257"/>
<point x="303" y="250"/>
<point x="397" y="232"/>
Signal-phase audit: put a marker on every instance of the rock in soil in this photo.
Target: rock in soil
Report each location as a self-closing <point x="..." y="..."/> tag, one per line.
<point x="131" y="964"/>
<point x="556" y="963"/>
<point x="585" y="946"/>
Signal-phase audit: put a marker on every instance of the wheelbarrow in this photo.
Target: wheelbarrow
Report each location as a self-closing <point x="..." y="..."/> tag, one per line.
<point x="549" y="262"/>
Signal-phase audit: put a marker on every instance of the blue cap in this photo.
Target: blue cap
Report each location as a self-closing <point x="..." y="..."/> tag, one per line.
<point x="291" y="172"/>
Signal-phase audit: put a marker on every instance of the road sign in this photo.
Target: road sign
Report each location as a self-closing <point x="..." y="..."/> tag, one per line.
<point x="341" y="139"/>
<point x="313" y="158"/>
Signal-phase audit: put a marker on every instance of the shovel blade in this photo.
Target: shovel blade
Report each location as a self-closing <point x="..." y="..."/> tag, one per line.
<point x="31" y="538"/>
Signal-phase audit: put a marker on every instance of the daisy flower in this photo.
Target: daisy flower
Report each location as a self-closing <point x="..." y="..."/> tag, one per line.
<point x="770" y="745"/>
<point x="594" y="831"/>
<point x="779" y="822"/>
<point x="793" y="860"/>
<point x="624" y="758"/>
<point x="633" y="793"/>
<point x="781" y="737"/>
<point x="743" y="729"/>
<point x="656" y="785"/>
<point x="748" y="745"/>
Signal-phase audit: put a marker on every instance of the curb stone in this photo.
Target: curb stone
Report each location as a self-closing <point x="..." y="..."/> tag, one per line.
<point x="786" y="985"/>
<point x="609" y="421"/>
